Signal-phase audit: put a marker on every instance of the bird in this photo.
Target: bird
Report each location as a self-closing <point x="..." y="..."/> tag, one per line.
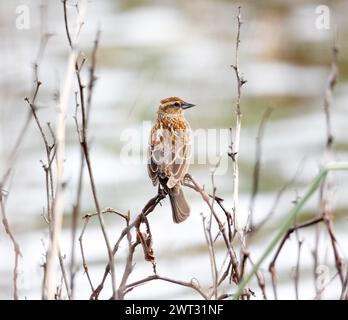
<point x="169" y="153"/>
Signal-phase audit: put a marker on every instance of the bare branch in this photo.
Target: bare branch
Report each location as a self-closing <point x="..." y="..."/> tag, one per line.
<point x="271" y="267"/>
<point x="205" y="197"/>
<point x="84" y="262"/>
<point x="234" y="153"/>
<point x="328" y="97"/>
<point x="191" y="284"/>
<point x="15" y="244"/>
<point x="148" y="208"/>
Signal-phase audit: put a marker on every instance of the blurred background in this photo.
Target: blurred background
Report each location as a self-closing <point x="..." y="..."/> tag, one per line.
<point x="150" y="50"/>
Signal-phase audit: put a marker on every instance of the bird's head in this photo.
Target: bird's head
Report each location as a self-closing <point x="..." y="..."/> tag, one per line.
<point x="174" y="105"/>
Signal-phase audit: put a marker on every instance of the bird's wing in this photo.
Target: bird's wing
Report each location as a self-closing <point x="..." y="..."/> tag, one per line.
<point x="169" y="155"/>
<point x="152" y="167"/>
<point x="181" y="157"/>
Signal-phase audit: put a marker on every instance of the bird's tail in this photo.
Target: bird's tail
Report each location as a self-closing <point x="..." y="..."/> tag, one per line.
<point x="180" y="207"/>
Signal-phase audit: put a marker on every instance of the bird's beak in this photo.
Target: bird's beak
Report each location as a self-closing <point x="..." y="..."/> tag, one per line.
<point x="187" y="105"/>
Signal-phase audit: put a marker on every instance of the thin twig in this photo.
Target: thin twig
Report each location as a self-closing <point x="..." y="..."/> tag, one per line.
<point x="60" y="136"/>
<point x="297" y="268"/>
<point x="76" y="207"/>
<point x="328" y="97"/>
<point x="64" y="274"/>
<point x="277" y="199"/>
<point x="344" y="293"/>
<point x="148" y="208"/>
<point x="260" y="280"/>
<point x="271" y="267"/>
<point x="15" y="244"/>
<point x="191" y="284"/>
<point x="205" y="197"/>
<point x="325" y="208"/>
<point x="338" y="258"/>
<point x="66" y="24"/>
<point x="50" y="155"/>
<point x="129" y="264"/>
<point x="107" y="210"/>
<point x="85" y="149"/>
<point x="234" y="153"/>
<point x="257" y="166"/>
<point x="208" y="233"/>
<point x="287" y="235"/>
<point x="100" y="218"/>
<point x="210" y="244"/>
<point x="14" y="153"/>
<point x="92" y="76"/>
<point x="84" y="262"/>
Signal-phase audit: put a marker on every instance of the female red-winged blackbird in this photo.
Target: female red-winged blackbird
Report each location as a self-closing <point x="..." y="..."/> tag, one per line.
<point x="169" y="153"/>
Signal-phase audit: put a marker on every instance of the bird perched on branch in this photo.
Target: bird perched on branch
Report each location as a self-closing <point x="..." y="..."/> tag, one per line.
<point x="169" y="153"/>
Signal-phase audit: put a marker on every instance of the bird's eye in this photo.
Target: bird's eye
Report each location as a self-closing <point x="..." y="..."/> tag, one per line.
<point x="177" y="104"/>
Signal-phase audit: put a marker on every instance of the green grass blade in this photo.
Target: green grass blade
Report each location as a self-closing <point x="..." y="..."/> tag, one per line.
<point x="334" y="166"/>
